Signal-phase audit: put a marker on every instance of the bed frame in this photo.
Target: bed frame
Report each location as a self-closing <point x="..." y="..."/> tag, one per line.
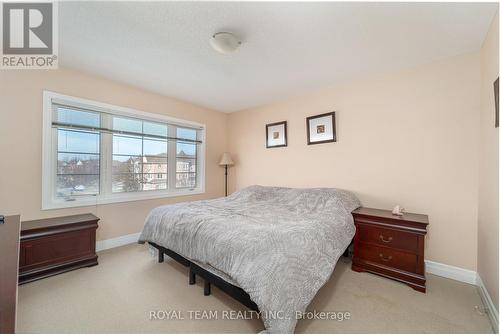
<point x="236" y="292"/>
<point x="232" y="290"/>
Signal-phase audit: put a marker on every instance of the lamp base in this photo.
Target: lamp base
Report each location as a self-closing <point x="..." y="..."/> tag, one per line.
<point x="225" y="183"/>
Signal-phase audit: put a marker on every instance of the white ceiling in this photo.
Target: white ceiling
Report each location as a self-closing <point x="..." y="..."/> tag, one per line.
<point x="288" y="48"/>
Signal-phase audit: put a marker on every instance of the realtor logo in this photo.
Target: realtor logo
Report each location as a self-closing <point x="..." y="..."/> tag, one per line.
<point x="29" y="35"/>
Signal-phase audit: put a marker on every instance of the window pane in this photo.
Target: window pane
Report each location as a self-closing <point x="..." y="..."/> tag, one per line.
<point x="126" y="164"/>
<point x="127" y="182"/>
<point x="127" y="124"/>
<point x="155" y="147"/>
<point x="185" y="180"/>
<point x="186" y="165"/>
<point x="77" y="141"/>
<point x="127" y="145"/>
<point x="155" y="181"/>
<point x="186" y="150"/>
<point x="72" y="163"/>
<point x="186" y="133"/>
<point x="77" y="117"/>
<point x="154" y="165"/>
<point x="77" y="185"/>
<point x="156" y="129"/>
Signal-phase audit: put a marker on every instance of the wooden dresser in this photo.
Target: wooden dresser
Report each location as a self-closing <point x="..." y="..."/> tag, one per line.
<point x="9" y="259"/>
<point x="390" y="246"/>
<point x="56" y="245"/>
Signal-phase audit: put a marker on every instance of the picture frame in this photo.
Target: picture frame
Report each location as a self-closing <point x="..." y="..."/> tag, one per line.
<point x="495" y="90"/>
<point x="321" y="129"/>
<point x="276" y="134"/>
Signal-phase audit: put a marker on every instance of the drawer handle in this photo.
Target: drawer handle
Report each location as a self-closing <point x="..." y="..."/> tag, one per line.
<point x="383" y="258"/>
<point x="385" y="240"/>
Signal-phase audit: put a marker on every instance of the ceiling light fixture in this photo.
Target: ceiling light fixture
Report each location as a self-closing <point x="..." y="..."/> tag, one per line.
<point x="224" y="42"/>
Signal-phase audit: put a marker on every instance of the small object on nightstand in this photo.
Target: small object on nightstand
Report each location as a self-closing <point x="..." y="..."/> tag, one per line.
<point x="391" y="246"/>
<point x="398" y="211"/>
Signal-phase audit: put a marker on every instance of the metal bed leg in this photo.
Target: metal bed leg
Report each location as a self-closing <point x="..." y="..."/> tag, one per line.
<point x="206" y="288"/>
<point x="192" y="277"/>
<point x="160" y="256"/>
<point x="348" y="251"/>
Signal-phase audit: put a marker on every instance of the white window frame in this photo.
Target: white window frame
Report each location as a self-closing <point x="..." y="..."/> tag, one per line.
<point x="49" y="159"/>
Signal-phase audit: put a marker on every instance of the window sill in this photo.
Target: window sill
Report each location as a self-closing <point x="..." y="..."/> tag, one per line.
<point x="118" y="198"/>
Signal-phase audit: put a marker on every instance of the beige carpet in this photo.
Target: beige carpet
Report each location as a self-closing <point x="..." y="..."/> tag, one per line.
<point x="117" y="296"/>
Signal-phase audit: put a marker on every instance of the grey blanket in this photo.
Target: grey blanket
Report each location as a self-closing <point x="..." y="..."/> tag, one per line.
<point x="279" y="244"/>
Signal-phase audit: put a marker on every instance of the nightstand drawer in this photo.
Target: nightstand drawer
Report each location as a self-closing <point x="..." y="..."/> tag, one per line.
<point x="388" y="257"/>
<point x="388" y="237"/>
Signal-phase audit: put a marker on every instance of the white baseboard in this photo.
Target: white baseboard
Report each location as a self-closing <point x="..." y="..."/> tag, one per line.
<point x="488" y="303"/>
<point x="466" y="276"/>
<point x="117" y="242"/>
<point x="451" y="272"/>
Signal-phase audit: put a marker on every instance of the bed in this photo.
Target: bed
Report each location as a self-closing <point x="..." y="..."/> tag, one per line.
<point x="278" y="245"/>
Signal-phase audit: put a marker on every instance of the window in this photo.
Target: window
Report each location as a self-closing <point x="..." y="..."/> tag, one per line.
<point x="139" y="162"/>
<point x="96" y="153"/>
<point x="185" y="172"/>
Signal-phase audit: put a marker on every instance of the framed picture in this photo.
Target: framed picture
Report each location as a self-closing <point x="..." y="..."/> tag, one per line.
<point x="276" y="134"/>
<point x="495" y="89"/>
<point x="321" y="129"/>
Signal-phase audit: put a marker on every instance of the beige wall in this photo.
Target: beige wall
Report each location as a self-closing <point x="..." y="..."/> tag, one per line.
<point x="21" y="135"/>
<point x="487" y="256"/>
<point x="408" y="138"/>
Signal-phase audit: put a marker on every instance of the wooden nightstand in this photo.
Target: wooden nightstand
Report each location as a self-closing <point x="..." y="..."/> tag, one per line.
<point x="390" y="246"/>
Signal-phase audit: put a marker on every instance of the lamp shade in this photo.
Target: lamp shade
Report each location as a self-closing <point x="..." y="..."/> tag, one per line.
<point x="226" y="160"/>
